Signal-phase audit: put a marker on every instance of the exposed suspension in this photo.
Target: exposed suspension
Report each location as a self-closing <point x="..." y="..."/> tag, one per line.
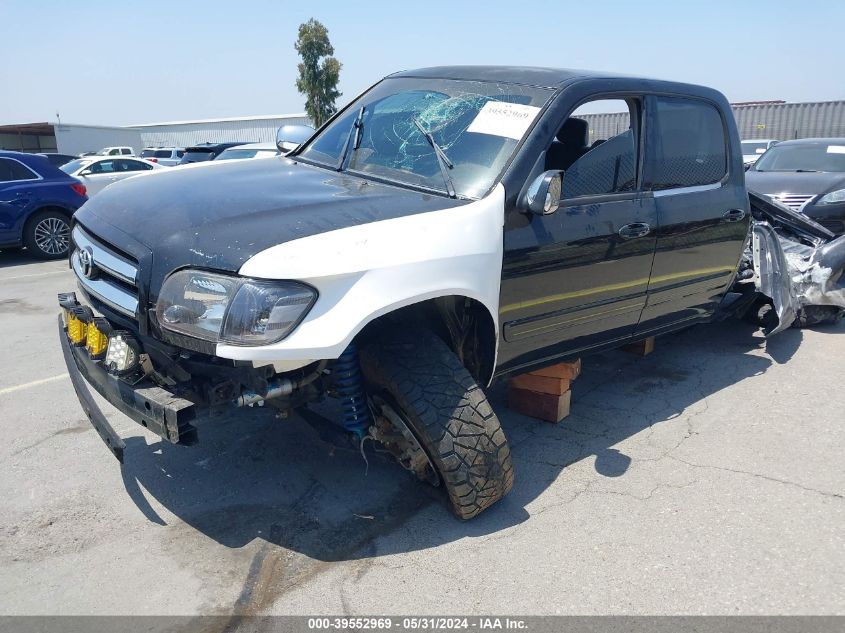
<point x="350" y="389"/>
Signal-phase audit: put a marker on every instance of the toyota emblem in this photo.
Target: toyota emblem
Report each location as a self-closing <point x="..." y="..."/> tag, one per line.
<point x="86" y="262"/>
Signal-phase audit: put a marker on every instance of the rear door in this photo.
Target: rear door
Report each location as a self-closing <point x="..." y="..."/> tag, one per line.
<point x="17" y="193"/>
<point x="702" y="210"/>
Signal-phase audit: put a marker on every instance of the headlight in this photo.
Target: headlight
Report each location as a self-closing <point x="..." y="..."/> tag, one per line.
<point x="833" y="196"/>
<point x="234" y="310"/>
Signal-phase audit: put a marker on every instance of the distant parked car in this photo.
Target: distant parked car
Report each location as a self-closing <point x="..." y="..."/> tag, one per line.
<point x="57" y="160"/>
<point x="807" y="175"/>
<point x="250" y="150"/>
<point x="36" y="202"/>
<point x="99" y="172"/>
<point x="204" y="151"/>
<point x="754" y="149"/>
<point x="167" y="156"/>
<point x="116" y="151"/>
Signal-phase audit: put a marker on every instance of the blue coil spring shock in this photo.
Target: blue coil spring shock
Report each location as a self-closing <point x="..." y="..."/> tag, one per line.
<point x="350" y="389"/>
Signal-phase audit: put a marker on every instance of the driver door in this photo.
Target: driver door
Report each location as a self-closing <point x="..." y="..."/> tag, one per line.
<point x="100" y="175"/>
<point x="578" y="278"/>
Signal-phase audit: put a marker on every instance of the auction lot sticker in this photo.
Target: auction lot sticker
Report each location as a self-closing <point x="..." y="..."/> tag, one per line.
<point x="498" y="118"/>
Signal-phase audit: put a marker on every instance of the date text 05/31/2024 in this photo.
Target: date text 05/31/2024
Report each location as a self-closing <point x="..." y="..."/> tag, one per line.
<point x="416" y="623"/>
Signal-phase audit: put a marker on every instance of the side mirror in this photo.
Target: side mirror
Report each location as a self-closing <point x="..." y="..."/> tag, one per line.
<point x="289" y="137"/>
<point x="85" y="172"/>
<point x="543" y="195"/>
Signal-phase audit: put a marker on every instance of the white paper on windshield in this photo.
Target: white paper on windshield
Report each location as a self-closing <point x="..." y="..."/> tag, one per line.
<point x="836" y="149"/>
<point x="498" y="118"/>
<point x="760" y="150"/>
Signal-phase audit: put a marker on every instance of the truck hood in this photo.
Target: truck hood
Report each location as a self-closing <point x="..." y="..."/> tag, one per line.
<point x="774" y="182"/>
<point x="218" y="215"/>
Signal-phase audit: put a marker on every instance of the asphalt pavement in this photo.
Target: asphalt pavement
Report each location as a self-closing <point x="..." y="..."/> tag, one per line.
<point x="705" y="478"/>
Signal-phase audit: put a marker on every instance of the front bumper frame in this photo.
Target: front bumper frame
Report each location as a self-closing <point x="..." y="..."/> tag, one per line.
<point x="154" y="408"/>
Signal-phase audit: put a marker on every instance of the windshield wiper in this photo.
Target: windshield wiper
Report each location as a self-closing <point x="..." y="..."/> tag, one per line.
<point x="357" y="127"/>
<point x="442" y="159"/>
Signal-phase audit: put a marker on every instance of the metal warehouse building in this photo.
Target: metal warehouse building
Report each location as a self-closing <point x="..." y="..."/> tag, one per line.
<point x="66" y="138"/>
<point x="762" y="119"/>
<point x="72" y="138"/>
<point x="252" y="129"/>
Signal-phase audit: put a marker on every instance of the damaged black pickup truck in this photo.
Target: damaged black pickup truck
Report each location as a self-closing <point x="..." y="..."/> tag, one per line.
<point x="449" y="227"/>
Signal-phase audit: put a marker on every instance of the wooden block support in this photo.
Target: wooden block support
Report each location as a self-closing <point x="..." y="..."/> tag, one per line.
<point x="569" y="370"/>
<point x="541" y="384"/>
<point x="641" y="348"/>
<point x="544" y="406"/>
<point x="544" y="393"/>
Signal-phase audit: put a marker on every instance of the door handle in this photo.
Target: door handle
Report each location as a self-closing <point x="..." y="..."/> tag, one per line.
<point x="634" y="230"/>
<point x="733" y="215"/>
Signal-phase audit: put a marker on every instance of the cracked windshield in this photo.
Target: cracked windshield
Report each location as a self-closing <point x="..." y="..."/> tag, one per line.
<point x="450" y="136"/>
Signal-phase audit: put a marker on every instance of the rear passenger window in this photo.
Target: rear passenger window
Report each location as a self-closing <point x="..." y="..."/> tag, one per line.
<point x="686" y="145"/>
<point x="11" y="170"/>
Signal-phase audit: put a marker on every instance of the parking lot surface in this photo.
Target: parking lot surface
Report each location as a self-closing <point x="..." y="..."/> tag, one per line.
<point x="706" y="477"/>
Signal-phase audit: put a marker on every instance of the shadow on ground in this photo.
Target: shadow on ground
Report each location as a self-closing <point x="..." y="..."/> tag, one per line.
<point x="256" y="477"/>
<point x="10" y="257"/>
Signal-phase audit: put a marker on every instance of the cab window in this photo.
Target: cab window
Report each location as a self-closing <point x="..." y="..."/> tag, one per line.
<point x="597" y="158"/>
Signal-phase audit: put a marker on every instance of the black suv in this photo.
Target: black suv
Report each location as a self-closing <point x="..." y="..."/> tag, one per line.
<point x="204" y="152"/>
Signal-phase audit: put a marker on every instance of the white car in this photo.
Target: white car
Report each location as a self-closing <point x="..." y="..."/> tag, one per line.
<point x="249" y="150"/>
<point x="167" y="156"/>
<point x="97" y="172"/>
<point x="121" y="150"/>
<point x="754" y="149"/>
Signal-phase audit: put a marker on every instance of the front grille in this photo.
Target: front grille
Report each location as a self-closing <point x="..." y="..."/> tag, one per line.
<point x="104" y="273"/>
<point x="795" y="201"/>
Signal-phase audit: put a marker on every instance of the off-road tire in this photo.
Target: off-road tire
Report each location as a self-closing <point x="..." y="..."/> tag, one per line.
<point x="809" y="316"/>
<point x="43" y="220"/>
<point x="447" y="412"/>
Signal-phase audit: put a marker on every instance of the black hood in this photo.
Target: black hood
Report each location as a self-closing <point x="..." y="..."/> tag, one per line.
<point x="774" y="182"/>
<point x="218" y="215"/>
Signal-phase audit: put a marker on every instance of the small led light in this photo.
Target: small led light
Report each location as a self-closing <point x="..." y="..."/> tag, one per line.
<point x="122" y="354"/>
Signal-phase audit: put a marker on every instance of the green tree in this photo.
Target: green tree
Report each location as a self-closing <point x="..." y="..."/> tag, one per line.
<point x="319" y="73"/>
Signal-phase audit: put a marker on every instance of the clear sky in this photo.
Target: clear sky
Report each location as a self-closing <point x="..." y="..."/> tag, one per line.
<point x="119" y="63"/>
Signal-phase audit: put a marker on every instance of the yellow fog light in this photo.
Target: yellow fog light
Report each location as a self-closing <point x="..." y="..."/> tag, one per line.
<point x="77" y="324"/>
<point x="67" y="301"/>
<point x="97" y="340"/>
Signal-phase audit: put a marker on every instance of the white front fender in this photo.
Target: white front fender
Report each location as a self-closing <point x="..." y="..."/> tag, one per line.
<point x="366" y="271"/>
